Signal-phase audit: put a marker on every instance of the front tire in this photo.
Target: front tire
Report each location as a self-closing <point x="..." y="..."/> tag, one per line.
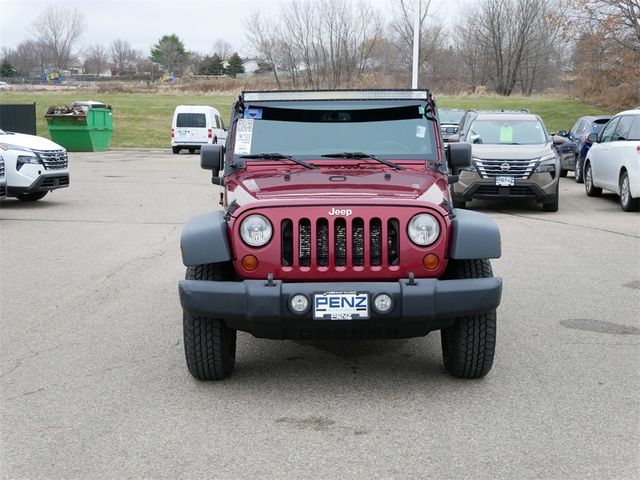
<point x="563" y="173"/>
<point x="591" y="190"/>
<point x="468" y="346"/>
<point x="31" y="197"/>
<point x="627" y="202"/>
<point x="209" y="345"/>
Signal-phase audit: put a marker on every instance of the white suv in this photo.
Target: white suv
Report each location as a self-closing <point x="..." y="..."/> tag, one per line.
<point x="33" y="165"/>
<point x="613" y="163"/>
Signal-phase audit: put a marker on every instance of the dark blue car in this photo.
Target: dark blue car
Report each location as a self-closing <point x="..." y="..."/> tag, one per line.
<point x="574" y="150"/>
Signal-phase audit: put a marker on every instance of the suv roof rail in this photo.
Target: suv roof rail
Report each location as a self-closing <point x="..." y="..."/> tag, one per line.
<point x="316" y="95"/>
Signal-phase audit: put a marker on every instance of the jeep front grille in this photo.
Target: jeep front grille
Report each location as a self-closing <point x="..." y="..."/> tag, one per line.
<point x="53" y="159"/>
<point x="340" y="242"/>
<point x="507" y="168"/>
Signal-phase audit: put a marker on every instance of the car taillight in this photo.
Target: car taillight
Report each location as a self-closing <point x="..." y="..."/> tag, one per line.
<point x="210" y="133"/>
<point x="172" y="134"/>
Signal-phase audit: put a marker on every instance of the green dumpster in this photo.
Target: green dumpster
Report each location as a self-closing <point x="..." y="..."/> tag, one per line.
<point x="83" y="127"/>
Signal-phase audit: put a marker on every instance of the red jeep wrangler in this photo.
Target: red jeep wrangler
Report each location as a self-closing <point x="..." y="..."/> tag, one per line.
<point x="337" y="222"/>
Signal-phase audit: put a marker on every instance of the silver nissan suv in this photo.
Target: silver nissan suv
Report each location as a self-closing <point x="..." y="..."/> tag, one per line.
<point x="513" y="157"/>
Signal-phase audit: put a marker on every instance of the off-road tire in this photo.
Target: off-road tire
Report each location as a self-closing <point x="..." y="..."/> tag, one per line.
<point x="468" y="346"/>
<point x="209" y="345"/>
<point x="588" y="182"/>
<point x="175" y="150"/>
<point x="627" y="202"/>
<point x="31" y="197"/>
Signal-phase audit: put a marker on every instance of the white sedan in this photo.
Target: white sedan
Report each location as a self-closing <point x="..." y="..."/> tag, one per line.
<point x="613" y="163"/>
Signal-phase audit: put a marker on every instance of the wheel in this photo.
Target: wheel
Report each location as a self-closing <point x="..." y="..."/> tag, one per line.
<point x="578" y="172"/>
<point x="192" y="150"/>
<point x="468" y="346"/>
<point x="552" y="205"/>
<point x="459" y="204"/>
<point x="31" y="197"/>
<point x="563" y="173"/>
<point x="588" y="182"/>
<point x="627" y="202"/>
<point x="175" y="150"/>
<point x="209" y="345"/>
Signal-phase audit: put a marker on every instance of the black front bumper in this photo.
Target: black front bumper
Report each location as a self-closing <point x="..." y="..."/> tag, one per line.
<point x="488" y="191"/>
<point x="44" y="183"/>
<point x="259" y="308"/>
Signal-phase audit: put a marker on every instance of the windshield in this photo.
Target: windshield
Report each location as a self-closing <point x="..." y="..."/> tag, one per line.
<point x="450" y="116"/>
<point x="390" y="132"/>
<point x="507" y="132"/>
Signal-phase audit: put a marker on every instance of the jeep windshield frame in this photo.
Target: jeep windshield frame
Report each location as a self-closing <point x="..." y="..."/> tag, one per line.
<point x="307" y="130"/>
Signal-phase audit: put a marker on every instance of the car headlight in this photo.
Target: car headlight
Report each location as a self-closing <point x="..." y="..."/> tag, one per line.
<point x="547" y="164"/>
<point x="26" y="159"/>
<point x="423" y="229"/>
<point x="256" y="230"/>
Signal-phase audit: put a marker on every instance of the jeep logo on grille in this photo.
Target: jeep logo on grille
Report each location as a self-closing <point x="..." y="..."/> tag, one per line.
<point x="345" y="213"/>
<point x="505" y="167"/>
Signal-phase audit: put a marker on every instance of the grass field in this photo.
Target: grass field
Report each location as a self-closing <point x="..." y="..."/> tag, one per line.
<point x="144" y="119"/>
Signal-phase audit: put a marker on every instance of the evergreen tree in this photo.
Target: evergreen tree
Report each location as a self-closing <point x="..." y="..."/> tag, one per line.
<point x="6" y="69"/>
<point x="169" y="51"/>
<point x="234" y="65"/>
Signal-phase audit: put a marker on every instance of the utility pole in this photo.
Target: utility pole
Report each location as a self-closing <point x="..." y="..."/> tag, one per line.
<point x="416" y="42"/>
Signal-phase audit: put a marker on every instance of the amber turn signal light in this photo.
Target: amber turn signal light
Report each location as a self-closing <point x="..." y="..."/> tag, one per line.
<point x="430" y="261"/>
<point x="249" y="263"/>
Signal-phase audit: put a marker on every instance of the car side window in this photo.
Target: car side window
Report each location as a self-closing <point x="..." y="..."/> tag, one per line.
<point x="221" y="123"/>
<point x="607" y="133"/>
<point x="575" y="130"/>
<point x="622" y="129"/>
<point x="217" y="121"/>
<point x="634" y="131"/>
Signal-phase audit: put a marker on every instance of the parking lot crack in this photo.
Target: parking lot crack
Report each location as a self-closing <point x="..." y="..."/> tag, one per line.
<point x="568" y="224"/>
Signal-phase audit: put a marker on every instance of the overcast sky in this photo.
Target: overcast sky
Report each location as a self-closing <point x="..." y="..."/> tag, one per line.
<point x="142" y="22"/>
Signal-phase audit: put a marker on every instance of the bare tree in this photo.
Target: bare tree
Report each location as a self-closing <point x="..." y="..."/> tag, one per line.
<point x="58" y="30"/>
<point x="122" y="55"/>
<point x="474" y="56"/>
<point x="223" y="48"/>
<point x="96" y="59"/>
<point x="262" y="38"/>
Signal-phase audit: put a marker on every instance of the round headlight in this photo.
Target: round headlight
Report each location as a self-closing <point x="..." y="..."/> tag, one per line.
<point x="256" y="230"/>
<point x="424" y="229"/>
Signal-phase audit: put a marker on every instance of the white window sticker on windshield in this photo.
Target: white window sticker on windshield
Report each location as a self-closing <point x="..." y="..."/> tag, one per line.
<point x="244" y="133"/>
<point x="421" y="131"/>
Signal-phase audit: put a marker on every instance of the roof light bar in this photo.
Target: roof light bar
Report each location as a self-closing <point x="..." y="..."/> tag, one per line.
<point x="300" y="95"/>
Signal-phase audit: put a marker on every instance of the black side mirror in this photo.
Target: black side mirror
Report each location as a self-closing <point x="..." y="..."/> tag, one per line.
<point x="212" y="157"/>
<point x="563" y="133"/>
<point x="592" y="138"/>
<point x="459" y="155"/>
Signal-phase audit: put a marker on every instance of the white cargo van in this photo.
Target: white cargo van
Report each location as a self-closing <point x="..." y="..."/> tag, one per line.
<point x="194" y="126"/>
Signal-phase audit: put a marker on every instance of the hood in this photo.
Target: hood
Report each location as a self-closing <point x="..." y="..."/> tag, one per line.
<point x="29" y="141"/>
<point x="511" y="152"/>
<point x="332" y="183"/>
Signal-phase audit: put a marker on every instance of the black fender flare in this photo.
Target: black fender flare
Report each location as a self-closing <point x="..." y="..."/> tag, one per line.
<point x="474" y="236"/>
<point x="205" y="240"/>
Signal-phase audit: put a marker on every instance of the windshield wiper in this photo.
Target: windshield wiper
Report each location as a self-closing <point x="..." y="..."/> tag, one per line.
<point x="360" y="155"/>
<point x="278" y="156"/>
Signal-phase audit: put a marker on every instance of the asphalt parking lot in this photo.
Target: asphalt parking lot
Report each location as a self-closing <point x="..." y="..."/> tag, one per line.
<point x="94" y="383"/>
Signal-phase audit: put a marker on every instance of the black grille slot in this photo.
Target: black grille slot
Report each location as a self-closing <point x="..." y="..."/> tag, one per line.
<point x="322" y="242"/>
<point x="393" y="241"/>
<point x="1" y="168"/>
<point x="357" y="237"/>
<point x="3" y="191"/>
<point x="55" y="181"/>
<point x="375" y="239"/>
<point x="341" y="242"/>
<point x="286" y="227"/>
<point x="304" y="242"/>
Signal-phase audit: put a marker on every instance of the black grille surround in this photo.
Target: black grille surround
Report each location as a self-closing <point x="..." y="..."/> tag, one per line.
<point x="521" y="169"/>
<point x="53" y="159"/>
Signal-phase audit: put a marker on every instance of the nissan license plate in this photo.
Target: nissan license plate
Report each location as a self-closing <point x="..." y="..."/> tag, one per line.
<point x="505" y="181"/>
<point x="340" y="306"/>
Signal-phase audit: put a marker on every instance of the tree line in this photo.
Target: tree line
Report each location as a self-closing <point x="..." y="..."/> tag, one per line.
<point x="591" y="47"/>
